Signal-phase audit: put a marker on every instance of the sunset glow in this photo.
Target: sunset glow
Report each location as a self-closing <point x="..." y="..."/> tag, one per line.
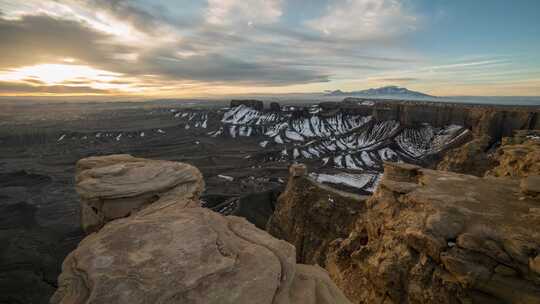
<point x="202" y="48"/>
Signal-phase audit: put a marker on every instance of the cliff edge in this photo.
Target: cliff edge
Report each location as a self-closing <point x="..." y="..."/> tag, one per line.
<point x="428" y="236"/>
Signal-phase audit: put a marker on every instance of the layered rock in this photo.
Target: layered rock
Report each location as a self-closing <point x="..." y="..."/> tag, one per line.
<point x="471" y="158"/>
<point x="310" y="216"/>
<point x="484" y="120"/>
<point x="425" y="236"/>
<point x="114" y="186"/>
<point x="518" y="156"/>
<point x="174" y="251"/>
<point x="438" y="237"/>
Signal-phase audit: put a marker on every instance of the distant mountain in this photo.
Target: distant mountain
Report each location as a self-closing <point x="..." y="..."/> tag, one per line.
<point x="389" y="91"/>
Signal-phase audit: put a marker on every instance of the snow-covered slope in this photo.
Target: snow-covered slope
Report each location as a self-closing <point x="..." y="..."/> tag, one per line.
<point x="354" y="143"/>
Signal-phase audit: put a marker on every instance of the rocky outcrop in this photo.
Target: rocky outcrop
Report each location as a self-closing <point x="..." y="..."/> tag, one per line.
<point x="484" y="120"/>
<point x="518" y="156"/>
<point x="114" y="186"/>
<point x="425" y="236"/>
<point x="275" y="106"/>
<point x="252" y="103"/>
<point x="438" y="237"/>
<point x="310" y="216"/>
<point x="174" y="251"/>
<point x="471" y="158"/>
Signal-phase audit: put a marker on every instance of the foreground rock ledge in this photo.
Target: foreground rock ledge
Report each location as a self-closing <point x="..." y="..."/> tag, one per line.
<point x="173" y="251"/>
<point x="437" y="237"/>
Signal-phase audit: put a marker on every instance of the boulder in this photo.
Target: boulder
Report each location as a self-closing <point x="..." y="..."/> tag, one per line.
<point x="174" y="251"/>
<point x="112" y="187"/>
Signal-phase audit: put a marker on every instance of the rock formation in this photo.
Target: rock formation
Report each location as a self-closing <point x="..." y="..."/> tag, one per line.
<point x="471" y="158"/>
<point x="310" y="216"/>
<point x="112" y="187"/>
<point x="174" y="251"/>
<point x="275" y="106"/>
<point x="519" y="155"/>
<point x="493" y="121"/>
<point x="429" y="236"/>
<point x="252" y="103"/>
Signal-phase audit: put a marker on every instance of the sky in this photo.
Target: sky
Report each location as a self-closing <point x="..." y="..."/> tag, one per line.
<point x="189" y="48"/>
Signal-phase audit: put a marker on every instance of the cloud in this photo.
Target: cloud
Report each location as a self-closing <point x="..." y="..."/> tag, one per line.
<point x="248" y="12"/>
<point x="23" y="88"/>
<point x="44" y="39"/>
<point x="396" y="79"/>
<point x="214" y="67"/>
<point x="219" y="49"/>
<point x="33" y="40"/>
<point x="364" y="20"/>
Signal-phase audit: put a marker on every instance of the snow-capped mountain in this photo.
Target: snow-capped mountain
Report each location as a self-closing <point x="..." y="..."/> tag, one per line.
<point x="388" y="91"/>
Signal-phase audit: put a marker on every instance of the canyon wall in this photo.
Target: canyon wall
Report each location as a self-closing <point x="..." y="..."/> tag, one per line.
<point x="493" y="121"/>
<point x="425" y="236"/>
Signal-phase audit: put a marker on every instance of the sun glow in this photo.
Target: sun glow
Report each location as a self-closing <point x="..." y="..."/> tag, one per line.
<point x="51" y="74"/>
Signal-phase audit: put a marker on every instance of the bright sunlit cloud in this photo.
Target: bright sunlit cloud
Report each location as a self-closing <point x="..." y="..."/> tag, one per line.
<point x="213" y="47"/>
<point x="58" y="73"/>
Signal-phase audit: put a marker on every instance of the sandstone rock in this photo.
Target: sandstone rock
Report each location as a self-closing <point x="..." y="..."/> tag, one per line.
<point x="114" y="186"/>
<point x="310" y="216"/>
<point x="449" y="238"/>
<point x="530" y="185"/>
<point x="425" y="236"/>
<point x="173" y="251"/>
<point x="470" y="158"/>
<point x="298" y="170"/>
<point x="518" y="157"/>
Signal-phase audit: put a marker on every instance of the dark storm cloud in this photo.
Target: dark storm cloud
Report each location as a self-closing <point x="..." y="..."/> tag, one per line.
<point x="17" y="88"/>
<point x="44" y="39"/>
<point x="218" y="68"/>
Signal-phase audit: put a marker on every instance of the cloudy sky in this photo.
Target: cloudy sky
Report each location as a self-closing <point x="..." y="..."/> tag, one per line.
<point x="188" y="48"/>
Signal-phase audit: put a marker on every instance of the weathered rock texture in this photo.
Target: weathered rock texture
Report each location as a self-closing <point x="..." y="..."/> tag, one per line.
<point x="310" y="216"/>
<point x="518" y="156"/>
<point x="437" y="237"/>
<point x="484" y="120"/>
<point x="174" y="251"/>
<point x="471" y="158"/>
<point x="425" y="236"/>
<point x="114" y="186"/>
